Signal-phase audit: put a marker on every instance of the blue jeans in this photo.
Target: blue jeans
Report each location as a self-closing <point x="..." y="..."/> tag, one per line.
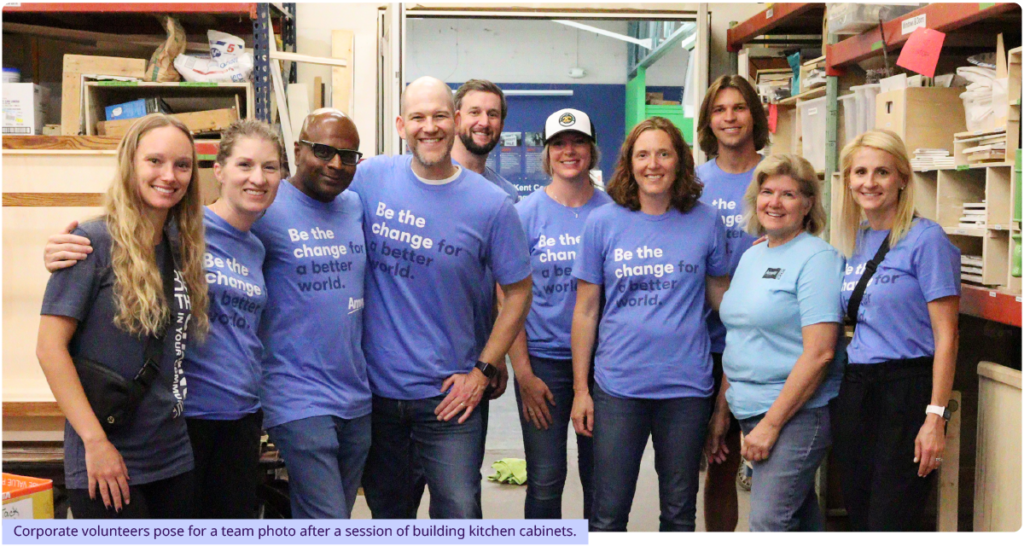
<point x="407" y="435"/>
<point x="325" y="457"/>
<point x="546" y="465"/>
<point x="621" y="429"/>
<point x="782" y="496"/>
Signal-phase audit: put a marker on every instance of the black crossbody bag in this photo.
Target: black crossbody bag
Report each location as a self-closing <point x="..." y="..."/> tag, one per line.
<point x="858" y="292"/>
<point x="113" y="398"/>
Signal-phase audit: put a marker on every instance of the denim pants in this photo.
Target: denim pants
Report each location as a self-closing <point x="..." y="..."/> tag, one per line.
<point x="406" y="436"/>
<point x="325" y="457"/>
<point x="782" y="496"/>
<point x="621" y="429"/>
<point x="546" y="465"/>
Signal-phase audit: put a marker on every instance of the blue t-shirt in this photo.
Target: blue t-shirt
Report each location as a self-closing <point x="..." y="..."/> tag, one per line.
<point x="774" y="293"/>
<point x="553" y="232"/>
<point x="653" y="340"/>
<point x="485" y="301"/>
<point x="893" y="321"/>
<point x="724" y="192"/>
<point x="224" y="370"/>
<point x="429" y="247"/>
<point x="155" y="444"/>
<point x="312" y="327"/>
<point x="501" y="182"/>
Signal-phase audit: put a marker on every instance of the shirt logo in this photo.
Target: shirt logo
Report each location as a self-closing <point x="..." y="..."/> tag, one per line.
<point x="773" y="273"/>
<point x="566" y="119"/>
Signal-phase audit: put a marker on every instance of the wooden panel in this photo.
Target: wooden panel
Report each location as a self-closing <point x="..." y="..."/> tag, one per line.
<point x="949" y="473"/>
<point x="52" y="173"/>
<point x="60" y="143"/>
<point x="53" y="199"/>
<point x="32" y="409"/>
<point x="71" y="95"/>
<point x="207" y="121"/>
<point x="341" y="78"/>
<point x="25" y="231"/>
<point x="997" y="483"/>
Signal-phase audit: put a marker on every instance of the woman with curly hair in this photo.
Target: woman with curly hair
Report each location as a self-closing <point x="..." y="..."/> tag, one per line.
<point x="113" y="305"/>
<point x="645" y="267"/>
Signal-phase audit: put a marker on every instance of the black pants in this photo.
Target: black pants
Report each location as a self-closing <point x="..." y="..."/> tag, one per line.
<point x="227" y="455"/>
<point x="170" y="498"/>
<point x="875" y="420"/>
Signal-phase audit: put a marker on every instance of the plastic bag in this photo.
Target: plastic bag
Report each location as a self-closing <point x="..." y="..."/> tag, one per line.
<point x="229" y="61"/>
<point x="160" y="67"/>
<point x="856" y="18"/>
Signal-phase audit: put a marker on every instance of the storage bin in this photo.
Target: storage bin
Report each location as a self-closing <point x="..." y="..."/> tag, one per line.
<point x="852" y="117"/>
<point x="866" y="95"/>
<point x="812" y="130"/>
<point x="27" y="498"/>
<point x="856" y="18"/>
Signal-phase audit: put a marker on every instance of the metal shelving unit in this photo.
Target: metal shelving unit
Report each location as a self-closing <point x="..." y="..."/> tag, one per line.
<point x="964" y="21"/>
<point x="226" y="15"/>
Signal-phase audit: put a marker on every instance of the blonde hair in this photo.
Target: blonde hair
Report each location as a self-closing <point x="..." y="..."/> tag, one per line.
<point x="801" y="171"/>
<point x="142" y="308"/>
<point x="851" y="215"/>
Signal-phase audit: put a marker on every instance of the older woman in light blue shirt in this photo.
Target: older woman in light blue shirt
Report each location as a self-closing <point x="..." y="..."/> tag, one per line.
<point x="782" y="316"/>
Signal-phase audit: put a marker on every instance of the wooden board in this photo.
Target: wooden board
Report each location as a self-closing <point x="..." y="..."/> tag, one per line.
<point x="298" y="106"/>
<point x="198" y="122"/>
<point x="71" y="95"/>
<point x="342" y="45"/>
<point x="318" y="93"/>
<point x="60" y="143"/>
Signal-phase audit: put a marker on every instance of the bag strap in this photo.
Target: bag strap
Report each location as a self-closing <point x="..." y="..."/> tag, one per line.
<point x="869" y="271"/>
<point x="154" y="351"/>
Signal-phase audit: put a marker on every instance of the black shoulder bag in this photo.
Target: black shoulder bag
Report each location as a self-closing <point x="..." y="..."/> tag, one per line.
<point x="869" y="271"/>
<point x="113" y="398"/>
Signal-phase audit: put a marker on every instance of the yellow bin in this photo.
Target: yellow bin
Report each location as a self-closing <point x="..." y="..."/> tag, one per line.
<point x="27" y="498"/>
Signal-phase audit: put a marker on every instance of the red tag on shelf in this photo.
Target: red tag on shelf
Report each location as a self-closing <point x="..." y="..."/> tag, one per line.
<point x="773" y="117"/>
<point x="921" y="52"/>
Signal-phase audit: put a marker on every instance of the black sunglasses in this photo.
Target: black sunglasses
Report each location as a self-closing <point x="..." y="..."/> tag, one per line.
<point x="324" y="152"/>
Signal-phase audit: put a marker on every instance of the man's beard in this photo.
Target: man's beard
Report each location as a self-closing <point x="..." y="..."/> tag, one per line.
<point x="476" y="149"/>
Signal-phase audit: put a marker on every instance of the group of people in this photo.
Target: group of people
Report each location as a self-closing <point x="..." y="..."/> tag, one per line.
<point x="361" y="313"/>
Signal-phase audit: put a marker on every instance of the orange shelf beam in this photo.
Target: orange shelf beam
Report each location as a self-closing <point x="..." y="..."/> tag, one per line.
<point x="944" y="17"/>
<point x="990" y="305"/>
<point x="763" y="23"/>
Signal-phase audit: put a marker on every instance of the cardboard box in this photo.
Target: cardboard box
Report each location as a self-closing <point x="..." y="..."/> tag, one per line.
<point x="23" y="108"/>
<point x="27" y="498"/>
<point x="197" y="122"/>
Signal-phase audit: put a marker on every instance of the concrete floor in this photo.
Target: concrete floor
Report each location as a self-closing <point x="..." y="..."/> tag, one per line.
<point x="504" y="439"/>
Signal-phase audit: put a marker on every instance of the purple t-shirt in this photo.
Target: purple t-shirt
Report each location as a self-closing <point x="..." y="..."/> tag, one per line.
<point x="429" y="248"/>
<point x="893" y="321"/>
<point x="553" y="232"/>
<point x="653" y="339"/>
<point x="724" y="192"/>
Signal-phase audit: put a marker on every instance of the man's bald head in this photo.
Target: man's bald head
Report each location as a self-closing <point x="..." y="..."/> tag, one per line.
<point x="316" y="121"/>
<point x="426" y="87"/>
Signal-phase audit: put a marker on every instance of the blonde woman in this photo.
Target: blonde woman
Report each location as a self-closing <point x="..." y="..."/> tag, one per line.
<point x="891" y="411"/>
<point x="782" y="320"/>
<point x="106" y="310"/>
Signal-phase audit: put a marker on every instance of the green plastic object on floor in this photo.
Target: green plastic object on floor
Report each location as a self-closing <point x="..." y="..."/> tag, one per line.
<point x="509" y="470"/>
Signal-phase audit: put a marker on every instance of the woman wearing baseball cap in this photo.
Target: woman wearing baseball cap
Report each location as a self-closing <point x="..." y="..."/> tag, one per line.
<point x="653" y="257"/>
<point x="553" y="218"/>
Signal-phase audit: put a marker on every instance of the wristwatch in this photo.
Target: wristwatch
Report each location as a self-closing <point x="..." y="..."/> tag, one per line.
<point x="941" y="411"/>
<point x="488" y="370"/>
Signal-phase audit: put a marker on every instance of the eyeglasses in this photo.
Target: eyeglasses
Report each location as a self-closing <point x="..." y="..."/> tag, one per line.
<point x="324" y="152"/>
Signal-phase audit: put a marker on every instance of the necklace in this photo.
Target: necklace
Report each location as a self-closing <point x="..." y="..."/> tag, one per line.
<point x="574" y="210"/>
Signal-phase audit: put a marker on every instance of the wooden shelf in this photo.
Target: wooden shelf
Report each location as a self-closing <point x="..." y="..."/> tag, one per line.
<point x="804" y="18"/>
<point x="994" y="305"/>
<point x="32" y="409"/>
<point x="944" y="17"/>
<point x="206" y="150"/>
<point x="966" y="232"/>
<point x="806" y="95"/>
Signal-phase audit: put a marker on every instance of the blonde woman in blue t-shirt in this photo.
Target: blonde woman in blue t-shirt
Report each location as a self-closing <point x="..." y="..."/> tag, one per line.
<point x="782" y="320"/>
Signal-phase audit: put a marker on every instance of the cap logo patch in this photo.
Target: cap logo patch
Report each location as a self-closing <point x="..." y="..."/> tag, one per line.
<point x="566" y="119"/>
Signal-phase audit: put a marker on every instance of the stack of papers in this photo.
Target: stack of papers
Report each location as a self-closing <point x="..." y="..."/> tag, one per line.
<point x="970" y="268"/>
<point x="984" y="147"/>
<point x="974" y="215"/>
<point x="928" y="159"/>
